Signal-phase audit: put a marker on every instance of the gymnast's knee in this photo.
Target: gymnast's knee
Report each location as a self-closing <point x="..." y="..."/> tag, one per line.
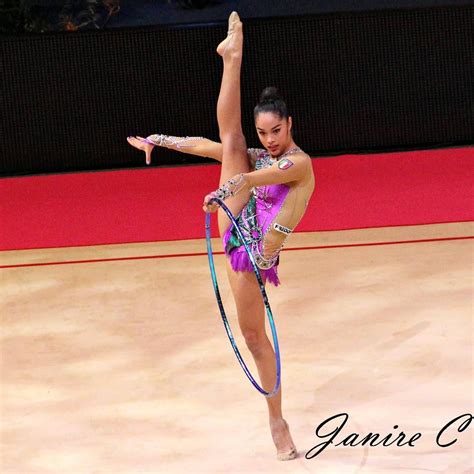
<point x="254" y="341"/>
<point x="233" y="142"/>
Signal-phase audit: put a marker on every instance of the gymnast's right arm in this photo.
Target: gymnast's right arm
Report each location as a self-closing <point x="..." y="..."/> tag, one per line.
<point x="198" y="146"/>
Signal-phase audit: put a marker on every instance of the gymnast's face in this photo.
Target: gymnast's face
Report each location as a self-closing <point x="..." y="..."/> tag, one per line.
<point x="274" y="132"/>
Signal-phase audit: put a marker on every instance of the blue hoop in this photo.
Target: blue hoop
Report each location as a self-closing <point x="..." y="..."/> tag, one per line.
<point x="264" y="295"/>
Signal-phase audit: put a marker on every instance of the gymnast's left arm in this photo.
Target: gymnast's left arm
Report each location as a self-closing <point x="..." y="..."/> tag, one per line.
<point x="287" y="170"/>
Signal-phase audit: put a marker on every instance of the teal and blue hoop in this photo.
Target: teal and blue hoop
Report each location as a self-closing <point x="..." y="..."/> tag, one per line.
<point x="268" y="310"/>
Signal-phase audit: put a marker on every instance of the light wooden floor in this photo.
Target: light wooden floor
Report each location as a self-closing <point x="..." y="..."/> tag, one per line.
<point x="123" y="366"/>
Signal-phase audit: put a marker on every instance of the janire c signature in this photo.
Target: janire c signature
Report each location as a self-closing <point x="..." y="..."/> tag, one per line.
<point x="445" y="437"/>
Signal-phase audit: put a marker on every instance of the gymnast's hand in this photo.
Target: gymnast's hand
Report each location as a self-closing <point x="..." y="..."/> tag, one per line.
<point x="212" y="207"/>
<point x="141" y="144"/>
<point x="230" y="188"/>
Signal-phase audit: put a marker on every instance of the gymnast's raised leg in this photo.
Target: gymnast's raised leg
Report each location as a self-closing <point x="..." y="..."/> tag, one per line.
<point x="234" y="149"/>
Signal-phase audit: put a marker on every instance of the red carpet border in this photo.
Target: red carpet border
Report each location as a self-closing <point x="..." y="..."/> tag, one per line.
<point x="155" y="204"/>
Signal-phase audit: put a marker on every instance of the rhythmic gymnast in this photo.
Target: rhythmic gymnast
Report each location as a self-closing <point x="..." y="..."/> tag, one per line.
<point x="268" y="189"/>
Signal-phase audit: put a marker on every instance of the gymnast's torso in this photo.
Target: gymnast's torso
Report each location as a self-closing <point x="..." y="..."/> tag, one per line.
<point x="273" y="211"/>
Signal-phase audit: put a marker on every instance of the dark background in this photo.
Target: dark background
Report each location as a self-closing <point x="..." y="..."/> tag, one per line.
<point x="355" y="81"/>
<point x="156" y="12"/>
<point x="153" y="12"/>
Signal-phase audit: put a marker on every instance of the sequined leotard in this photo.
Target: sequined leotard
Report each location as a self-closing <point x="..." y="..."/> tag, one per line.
<point x="258" y="216"/>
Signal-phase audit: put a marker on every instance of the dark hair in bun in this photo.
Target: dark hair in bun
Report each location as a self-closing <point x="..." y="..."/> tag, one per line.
<point x="270" y="101"/>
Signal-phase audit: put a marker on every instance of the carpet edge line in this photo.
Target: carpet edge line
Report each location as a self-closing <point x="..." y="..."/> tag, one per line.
<point x="200" y="254"/>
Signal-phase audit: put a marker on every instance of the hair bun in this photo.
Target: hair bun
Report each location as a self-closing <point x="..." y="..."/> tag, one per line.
<point x="269" y="94"/>
<point x="271" y="101"/>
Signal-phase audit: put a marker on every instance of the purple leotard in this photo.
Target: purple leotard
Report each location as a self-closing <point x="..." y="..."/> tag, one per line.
<point x="255" y="219"/>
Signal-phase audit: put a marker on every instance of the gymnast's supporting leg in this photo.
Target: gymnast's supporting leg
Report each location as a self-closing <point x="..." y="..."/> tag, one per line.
<point x="245" y="288"/>
<point x="251" y="312"/>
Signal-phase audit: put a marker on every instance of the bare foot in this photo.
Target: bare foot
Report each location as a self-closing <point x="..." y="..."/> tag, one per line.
<point x="286" y="449"/>
<point x="233" y="43"/>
